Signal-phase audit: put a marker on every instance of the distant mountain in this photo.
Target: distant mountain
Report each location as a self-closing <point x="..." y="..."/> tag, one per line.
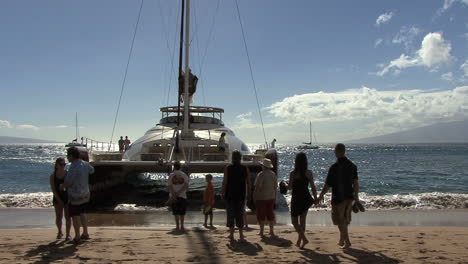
<point x="451" y="132"/>
<point x="9" y="140"/>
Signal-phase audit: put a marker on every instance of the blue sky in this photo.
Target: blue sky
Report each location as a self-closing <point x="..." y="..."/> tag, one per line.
<point x="354" y="69"/>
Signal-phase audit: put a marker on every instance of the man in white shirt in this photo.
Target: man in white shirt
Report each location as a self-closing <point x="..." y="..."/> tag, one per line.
<point x="178" y="186"/>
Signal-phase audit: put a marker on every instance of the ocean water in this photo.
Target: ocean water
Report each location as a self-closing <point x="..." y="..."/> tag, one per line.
<point x="414" y="176"/>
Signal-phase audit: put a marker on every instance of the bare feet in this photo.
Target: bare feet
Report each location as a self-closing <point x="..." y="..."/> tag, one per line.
<point x="304" y="242"/>
<point x="205" y="225"/>
<point x="346" y="245"/>
<point x="340" y="243"/>
<point x="298" y="243"/>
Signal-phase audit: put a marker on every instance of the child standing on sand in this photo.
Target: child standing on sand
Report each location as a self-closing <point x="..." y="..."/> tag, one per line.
<point x="208" y="200"/>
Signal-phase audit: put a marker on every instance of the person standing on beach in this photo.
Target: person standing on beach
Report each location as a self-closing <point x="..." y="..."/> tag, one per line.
<point x="343" y="179"/>
<point x="76" y="183"/>
<point x="121" y="144"/>
<point x="273" y="143"/>
<point x="236" y="182"/>
<point x="178" y="186"/>
<point x="301" y="200"/>
<point x="60" y="198"/>
<point x="264" y="195"/>
<point x="208" y="200"/>
<point x="127" y="143"/>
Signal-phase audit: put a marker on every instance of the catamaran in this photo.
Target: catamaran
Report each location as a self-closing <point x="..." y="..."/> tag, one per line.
<point x="186" y="133"/>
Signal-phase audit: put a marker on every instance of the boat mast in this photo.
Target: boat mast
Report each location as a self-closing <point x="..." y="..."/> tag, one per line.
<point x="180" y="73"/>
<point x="310" y="132"/>
<point x="185" y="131"/>
<point x="76" y="126"/>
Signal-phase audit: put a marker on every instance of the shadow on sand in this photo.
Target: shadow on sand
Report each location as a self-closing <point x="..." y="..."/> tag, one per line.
<point x="277" y="241"/>
<point x="369" y="256"/>
<point x="245" y="247"/>
<point x="351" y="255"/>
<point x="206" y="246"/>
<point x="52" y="252"/>
<point x="177" y="232"/>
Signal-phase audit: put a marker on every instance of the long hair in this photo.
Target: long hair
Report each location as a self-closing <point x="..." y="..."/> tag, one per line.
<point x="236" y="157"/>
<point x="57" y="162"/>
<point x="300" y="164"/>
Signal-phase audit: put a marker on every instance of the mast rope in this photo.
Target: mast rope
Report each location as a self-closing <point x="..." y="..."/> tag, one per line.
<point x="126" y="71"/>
<point x="251" y="73"/>
<point x="171" y="51"/>
<point x="201" y="59"/>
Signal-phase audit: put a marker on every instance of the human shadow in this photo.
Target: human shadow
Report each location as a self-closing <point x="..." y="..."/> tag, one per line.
<point x="52" y="252"/>
<point x="277" y="241"/>
<point x="315" y="257"/>
<point x="177" y="232"/>
<point x="245" y="247"/>
<point x="207" y="245"/>
<point x="364" y="256"/>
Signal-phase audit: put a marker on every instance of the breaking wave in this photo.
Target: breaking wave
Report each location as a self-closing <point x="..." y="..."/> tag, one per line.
<point x="422" y="201"/>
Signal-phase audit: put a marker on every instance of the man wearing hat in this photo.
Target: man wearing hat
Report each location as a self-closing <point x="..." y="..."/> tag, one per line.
<point x="264" y="195"/>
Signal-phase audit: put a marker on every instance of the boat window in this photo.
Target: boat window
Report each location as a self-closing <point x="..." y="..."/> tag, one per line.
<point x="244" y="147"/>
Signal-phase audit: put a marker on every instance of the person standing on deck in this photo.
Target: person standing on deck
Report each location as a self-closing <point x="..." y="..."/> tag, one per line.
<point x="76" y="183"/>
<point x="273" y="143"/>
<point x="236" y="182"/>
<point x="178" y="186"/>
<point x="222" y="142"/>
<point x="121" y="144"/>
<point x="343" y="179"/>
<point x="127" y="143"/>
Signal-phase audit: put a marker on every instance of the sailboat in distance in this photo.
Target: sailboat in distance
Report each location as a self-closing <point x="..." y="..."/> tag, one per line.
<point x="311" y="144"/>
<point x="74" y="142"/>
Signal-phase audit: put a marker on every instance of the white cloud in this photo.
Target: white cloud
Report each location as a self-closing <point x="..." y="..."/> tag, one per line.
<point x="448" y="4"/>
<point x="464" y="68"/>
<point x="384" y="18"/>
<point x="434" y="51"/>
<point x="448" y="76"/>
<point x="27" y="127"/>
<point x="378" y="42"/>
<point x="406" y="36"/>
<point x="375" y="111"/>
<point x="60" y="126"/>
<point x="5" y="124"/>
<point x="465" y="36"/>
<point x="245" y="121"/>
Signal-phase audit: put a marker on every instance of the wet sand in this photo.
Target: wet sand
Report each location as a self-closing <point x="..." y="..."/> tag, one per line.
<point x="44" y="218"/>
<point x="200" y="245"/>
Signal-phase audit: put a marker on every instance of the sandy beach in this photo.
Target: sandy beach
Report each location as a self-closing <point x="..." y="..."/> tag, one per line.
<point x="200" y="245"/>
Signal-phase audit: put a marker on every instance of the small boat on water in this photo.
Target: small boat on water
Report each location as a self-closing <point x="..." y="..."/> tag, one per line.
<point x="74" y="142"/>
<point x="311" y="144"/>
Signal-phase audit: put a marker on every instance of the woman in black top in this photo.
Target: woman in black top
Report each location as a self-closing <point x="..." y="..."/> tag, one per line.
<point x="235" y="183"/>
<point x="60" y="199"/>
<point x="301" y="200"/>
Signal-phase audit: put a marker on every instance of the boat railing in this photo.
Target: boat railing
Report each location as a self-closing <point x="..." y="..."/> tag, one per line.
<point x="96" y="145"/>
